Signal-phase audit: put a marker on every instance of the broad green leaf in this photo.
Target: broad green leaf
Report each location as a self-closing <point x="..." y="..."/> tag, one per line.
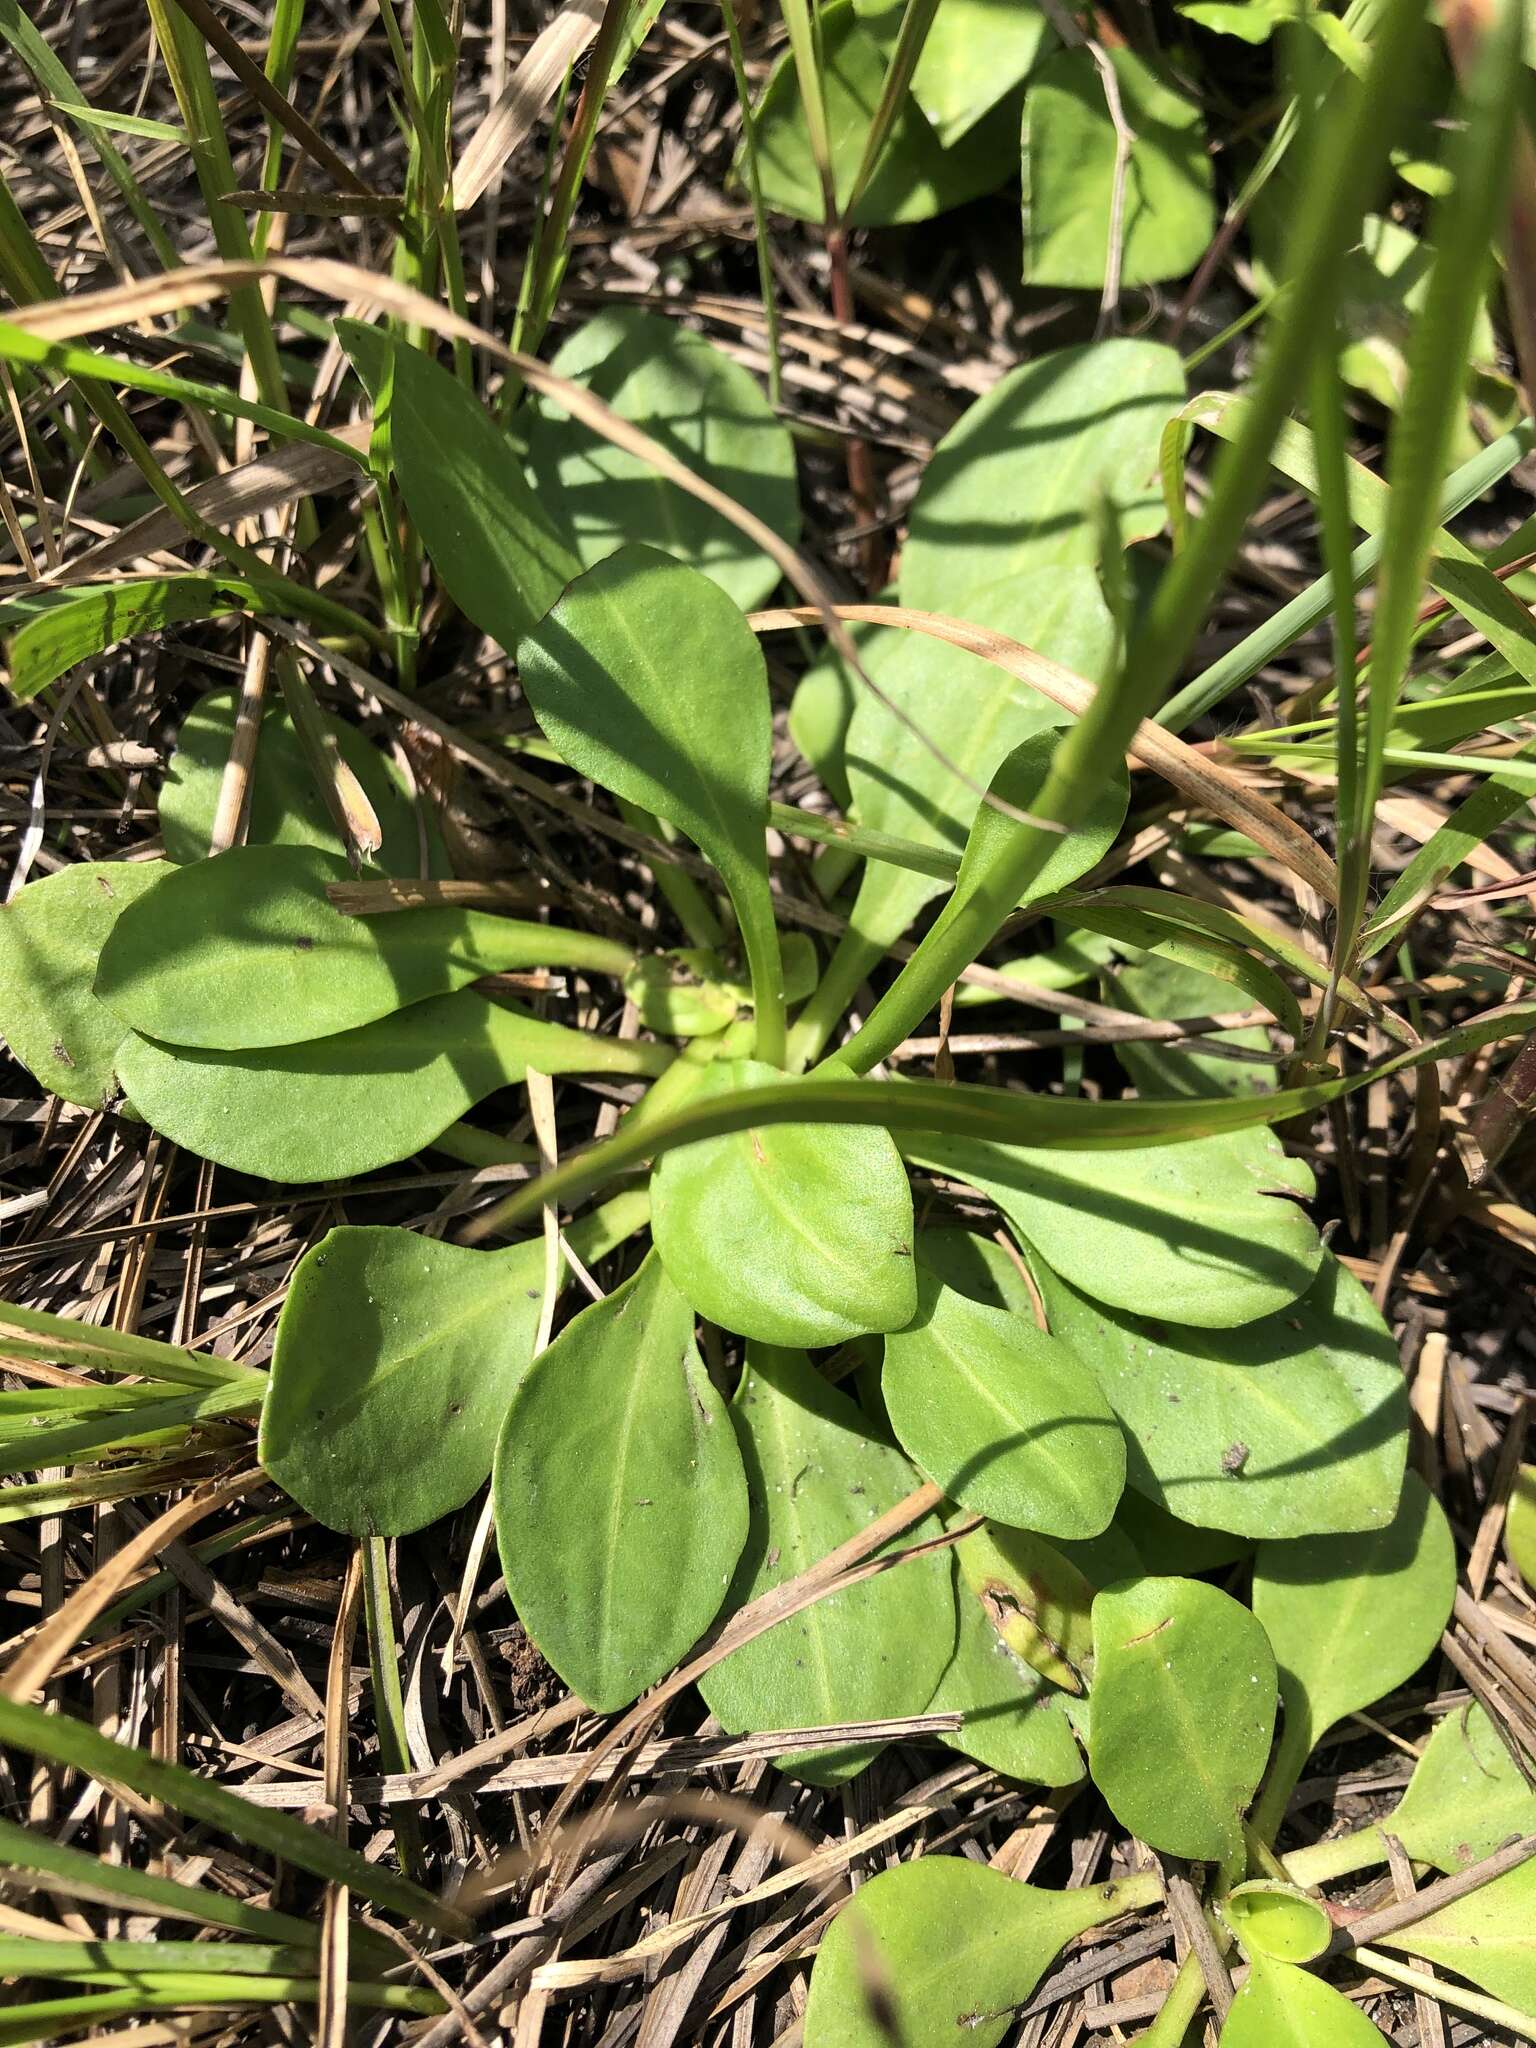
<point x="621" y="1508"/>
<point x="1156" y="987"/>
<point x="248" y="950"/>
<point x="1169" y="1546"/>
<point x="1278" y="1922"/>
<point x="816" y="1477"/>
<point x="1281" y="2006"/>
<point x="792" y="1234"/>
<point x="494" y="546"/>
<point x="701" y="406"/>
<point x="396" y="1357"/>
<point x="1466" y="1796"/>
<point x="976" y="1266"/>
<point x="976" y="51"/>
<point x="1014" y="486"/>
<point x="1520" y="1525"/>
<point x="1293" y="1425"/>
<point x="1013" y="1717"/>
<point x="987" y="725"/>
<point x="915" y="177"/>
<point x="1183" y="1709"/>
<point x="1069" y="152"/>
<point x="949" y="1948"/>
<point x="333" y="1107"/>
<point x="286" y="806"/>
<point x="1352" y="1617"/>
<point x="46" y="632"/>
<point x="51" y="936"/>
<point x="1488" y="1937"/>
<point x="1008" y="1421"/>
<point x="1038" y="1601"/>
<point x="647" y="678"/>
<point x="1201" y="1229"/>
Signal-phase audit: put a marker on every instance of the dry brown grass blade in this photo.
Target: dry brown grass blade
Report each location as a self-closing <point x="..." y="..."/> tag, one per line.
<point x="281" y="477"/>
<point x="1214" y="789"/>
<point x="527" y="92"/>
<point x="195" y="284"/>
<point x="28" y="1672"/>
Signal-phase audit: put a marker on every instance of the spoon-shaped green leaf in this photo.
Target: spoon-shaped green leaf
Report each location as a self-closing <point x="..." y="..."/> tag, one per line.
<point x="287" y="808"/>
<point x="1200" y="1232"/>
<point x="1013" y="1716"/>
<point x="493" y="545"/>
<point x="949" y="1949"/>
<point x="684" y="391"/>
<point x="1280" y="1922"/>
<point x="792" y="1233"/>
<point x="980" y="718"/>
<point x="1466" y="1796"/>
<point x="1183" y="1708"/>
<point x="51" y="936"/>
<point x="1013" y="487"/>
<point x="337" y="1106"/>
<point x="1350" y="1618"/>
<point x="1038" y="1601"/>
<point x="1293" y="1425"/>
<point x="815" y="1477"/>
<point x="621" y="1507"/>
<point x="1281" y="2006"/>
<point x="1489" y="1937"/>
<point x="247" y="950"/>
<point x="1009" y="1421"/>
<point x="388" y="1338"/>
<point x="646" y="677"/>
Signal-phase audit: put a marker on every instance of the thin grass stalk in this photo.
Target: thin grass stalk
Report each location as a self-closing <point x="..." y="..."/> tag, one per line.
<point x="1465" y="225"/>
<point x="759" y="215"/>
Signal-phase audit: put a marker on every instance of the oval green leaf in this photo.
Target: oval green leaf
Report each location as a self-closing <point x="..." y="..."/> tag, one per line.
<point x="1466" y="1796"/>
<point x="635" y="676"/>
<point x="977" y="714"/>
<point x="1488" y="1937"/>
<point x="1008" y="1421"/>
<point x="815" y="1477"/>
<point x="286" y="807"/>
<point x="1013" y="1715"/>
<point x="334" y="1107"/>
<point x="914" y="178"/>
<point x="395" y="1359"/>
<point x="797" y="1234"/>
<point x="1071" y="167"/>
<point x="51" y="936"/>
<point x="705" y="409"/>
<point x="621" y="1507"/>
<point x="1281" y="2006"/>
<point x="1293" y="1425"/>
<point x="1351" y="1617"/>
<point x="1018" y="484"/>
<point x="1183" y="1709"/>
<point x="941" y="1950"/>
<point x="495" y="549"/>
<point x="1202" y="1229"/>
<point x="247" y="950"/>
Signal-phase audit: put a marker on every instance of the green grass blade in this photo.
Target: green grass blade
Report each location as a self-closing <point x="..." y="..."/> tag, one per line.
<point x="63" y="1740"/>
<point x="1464" y="228"/>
